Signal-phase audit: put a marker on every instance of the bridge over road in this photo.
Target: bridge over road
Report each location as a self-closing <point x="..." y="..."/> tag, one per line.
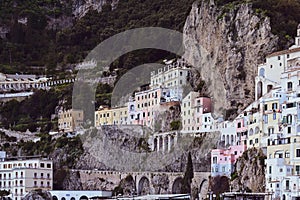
<point x="146" y="182"/>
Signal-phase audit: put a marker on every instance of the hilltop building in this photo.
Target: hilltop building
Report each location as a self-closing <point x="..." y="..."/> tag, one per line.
<point x="70" y="120"/>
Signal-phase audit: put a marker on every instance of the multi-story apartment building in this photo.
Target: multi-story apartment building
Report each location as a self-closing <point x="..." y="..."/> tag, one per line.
<point x="222" y="160"/>
<point x="173" y="76"/>
<point x="196" y="113"/>
<point x="70" y="120"/>
<point x="19" y="176"/>
<point x="283" y="149"/>
<point x="104" y="116"/>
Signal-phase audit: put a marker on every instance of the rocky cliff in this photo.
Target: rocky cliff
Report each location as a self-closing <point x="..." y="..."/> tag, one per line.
<point x="226" y="44"/>
<point x="81" y="7"/>
<point x="250" y="172"/>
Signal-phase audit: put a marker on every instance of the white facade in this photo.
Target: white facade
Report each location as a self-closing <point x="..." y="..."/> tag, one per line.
<point x="21" y="176"/>
<point x="270" y="72"/>
<point x="173" y="76"/>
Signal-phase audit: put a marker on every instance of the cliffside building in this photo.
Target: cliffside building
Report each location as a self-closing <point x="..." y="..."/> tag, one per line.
<point x="70" y="120"/>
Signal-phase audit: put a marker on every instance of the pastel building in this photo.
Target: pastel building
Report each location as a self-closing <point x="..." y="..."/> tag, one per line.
<point x="21" y="176"/>
<point x="70" y="120"/>
<point x="120" y="115"/>
<point x="103" y="116"/>
<point x="173" y="76"/>
<point x="283" y="167"/>
<point x="223" y="160"/>
<point x="228" y="133"/>
<point x="196" y="113"/>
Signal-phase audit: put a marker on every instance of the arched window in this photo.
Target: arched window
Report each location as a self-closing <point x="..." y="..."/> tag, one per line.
<point x="262" y="72"/>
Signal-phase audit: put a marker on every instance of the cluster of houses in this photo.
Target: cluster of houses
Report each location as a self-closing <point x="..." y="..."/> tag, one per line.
<point x="271" y="122"/>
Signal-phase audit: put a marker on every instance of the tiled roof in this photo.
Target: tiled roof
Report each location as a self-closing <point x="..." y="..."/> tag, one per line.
<point x="284" y="52"/>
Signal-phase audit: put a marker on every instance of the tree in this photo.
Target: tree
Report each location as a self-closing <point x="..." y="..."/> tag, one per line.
<point x="3" y="193"/>
<point x="188" y="176"/>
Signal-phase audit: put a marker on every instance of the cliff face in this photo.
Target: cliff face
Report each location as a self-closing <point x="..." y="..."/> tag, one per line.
<point x="226" y="45"/>
<point x="81" y="7"/>
<point x="250" y="172"/>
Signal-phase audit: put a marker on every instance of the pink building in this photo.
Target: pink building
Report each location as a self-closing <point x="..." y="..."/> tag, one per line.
<point x="223" y="160"/>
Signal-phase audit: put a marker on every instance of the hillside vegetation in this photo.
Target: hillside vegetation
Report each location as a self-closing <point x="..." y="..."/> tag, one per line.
<point x="39" y="44"/>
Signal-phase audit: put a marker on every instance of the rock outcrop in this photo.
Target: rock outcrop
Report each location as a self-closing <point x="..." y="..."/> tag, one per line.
<point x="226" y="44"/>
<point x="38" y="195"/>
<point x="81" y="7"/>
<point x="249" y="172"/>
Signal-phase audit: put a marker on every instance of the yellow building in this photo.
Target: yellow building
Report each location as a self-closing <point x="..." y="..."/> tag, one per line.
<point x="69" y="120"/>
<point x="103" y="116"/>
<point x="120" y="115"/>
<point x="111" y="116"/>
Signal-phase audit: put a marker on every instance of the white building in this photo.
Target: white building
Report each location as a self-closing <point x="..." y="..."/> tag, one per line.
<point x="21" y="176"/>
<point x="173" y="76"/>
<point x="276" y="63"/>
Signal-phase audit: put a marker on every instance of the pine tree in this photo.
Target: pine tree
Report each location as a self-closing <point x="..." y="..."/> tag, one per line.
<point x="188" y="176"/>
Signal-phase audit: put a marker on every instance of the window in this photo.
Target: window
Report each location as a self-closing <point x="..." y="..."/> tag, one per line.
<point x="35" y="175"/>
<point x="289" y="129"/>
<point x="270" y="169"/>
<point x="298" y="153"/>
<point x="215" y="159"/>
<point x="265" y="118"/>
<point x="287" y="184"/>
<point x="274" y="116"/>
<point x="297" y="169"/>
<point x="42" y="165"/>
<point x="278" y="57"/>
<point x="280" y="170"/>
<point x="266" y="107"/>
<point x="289" y="86"/>
<point x="287" y="154"/>
<point x="48" y="165"/>
<point x="239" y="125"/>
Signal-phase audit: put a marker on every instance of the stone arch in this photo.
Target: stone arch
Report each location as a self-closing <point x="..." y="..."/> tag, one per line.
<point x="144" y="186"/>
<point x="177" y="184"/>
<point x="203" y="189"/>
<point x="171" y="141"/>
<point x="166" y="142"/>
<point x="83" y="198"/>
<point x="160" y="142"/>
<point x="72" y="198"/>
<point x="54" y="198"/>
<point x="130" y="184"/>
<point x="283" y="197"/>
<point x="63" y="198"/>
<point x="259" y="89"/>
<point x="155" y="144"/>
